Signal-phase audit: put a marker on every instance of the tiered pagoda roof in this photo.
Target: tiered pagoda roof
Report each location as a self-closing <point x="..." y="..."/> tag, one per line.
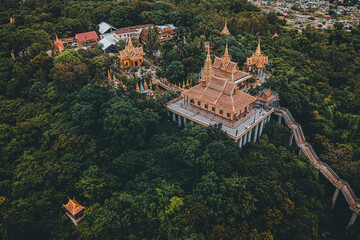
<point x="257" y="59"/>
<point x="218" y="86"/>
<point x="225" y="30"/>
<point x="73" y="207"/>
<point x="131" y="52"/>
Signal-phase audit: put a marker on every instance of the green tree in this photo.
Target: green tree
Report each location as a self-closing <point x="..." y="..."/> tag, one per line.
<point x="152" y="43"/>
<point x="175" y="72"/>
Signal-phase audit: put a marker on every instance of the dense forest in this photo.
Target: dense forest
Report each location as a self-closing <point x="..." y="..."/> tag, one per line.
<point x="64" y="133"/>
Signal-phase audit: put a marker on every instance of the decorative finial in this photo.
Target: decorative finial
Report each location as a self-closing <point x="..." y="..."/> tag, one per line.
<point x="258" y="51"/>
<point x="130" y="44"/>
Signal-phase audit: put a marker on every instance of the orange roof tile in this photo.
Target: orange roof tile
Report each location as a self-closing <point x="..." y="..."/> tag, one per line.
<point x="87" y="36"/>
<point x="73" y="207"/>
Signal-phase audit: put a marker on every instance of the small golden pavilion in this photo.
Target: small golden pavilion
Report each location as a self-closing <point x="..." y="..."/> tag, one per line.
<point x="256" y="62"/>
<point x="131" y="56"/>
<point x="74" y="211"/>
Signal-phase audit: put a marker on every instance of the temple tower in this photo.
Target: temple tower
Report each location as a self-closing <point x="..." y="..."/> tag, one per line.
<point x="208" y="69"/>
<point x="257" y="63"/>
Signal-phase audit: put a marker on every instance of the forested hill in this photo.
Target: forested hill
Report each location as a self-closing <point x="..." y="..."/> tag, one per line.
<point x="62" y="134"/>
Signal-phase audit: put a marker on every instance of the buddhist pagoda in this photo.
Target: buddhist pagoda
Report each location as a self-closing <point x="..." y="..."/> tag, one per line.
<point x="257" y="62"/>
<point x="74" y="211"/>
<point x="225" y="30"/>
<point x="131" y="56"/>
<point x="220" y="99"/>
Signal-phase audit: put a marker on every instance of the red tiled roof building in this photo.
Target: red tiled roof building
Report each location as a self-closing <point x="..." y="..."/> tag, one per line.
<point x="87" y="37"/>
<point x="218" y="92"/>
<point x="74" y="210"/>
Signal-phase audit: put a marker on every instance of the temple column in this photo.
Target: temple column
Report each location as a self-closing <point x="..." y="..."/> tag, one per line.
<point x="336" y="194"/>
<point x="168" y="113"/>
<point x="352" y="219"/>
<point x="256" y="133"/>
<point x="241" y="141"/>
<point x="269" y="117"/>
<point x="261" y="127"/>
<point x="185" y="120"/>
<point x="300" y="151"/>
<point x="291" y="138"/>
<point x="279" y="119"/>
<point x="174" y="117"/>
<point x="244" y="139"/>
<point x="179" y="120"/>
<point x="249" y="137"/>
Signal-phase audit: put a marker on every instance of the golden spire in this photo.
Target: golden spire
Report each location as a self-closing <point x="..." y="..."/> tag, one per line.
<point x="183" y="85"/>
<point x="225" y="60"/>
<point x="225" y="30"/>
<point x="208" y="69"/>
<point x="258" y="51"/>
<point x="187" y="82"/>
<point x="137" y="87"/>
<point x="109" y="76"/>
<point x="130" y="44"/>
<point x="145" y="85"/>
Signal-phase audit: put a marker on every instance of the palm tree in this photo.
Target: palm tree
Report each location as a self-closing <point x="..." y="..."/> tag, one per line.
<point x="152" y="40"/>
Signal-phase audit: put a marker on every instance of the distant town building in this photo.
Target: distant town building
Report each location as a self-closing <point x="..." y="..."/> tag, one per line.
<point x="74" y="211"/>
<point x="131" y="56"/>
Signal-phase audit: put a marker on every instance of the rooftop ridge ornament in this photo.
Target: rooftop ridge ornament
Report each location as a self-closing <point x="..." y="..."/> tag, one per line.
<point x="258" y="49"/>
<point x="225" y="60"/>
<point x="130" y="44"/>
